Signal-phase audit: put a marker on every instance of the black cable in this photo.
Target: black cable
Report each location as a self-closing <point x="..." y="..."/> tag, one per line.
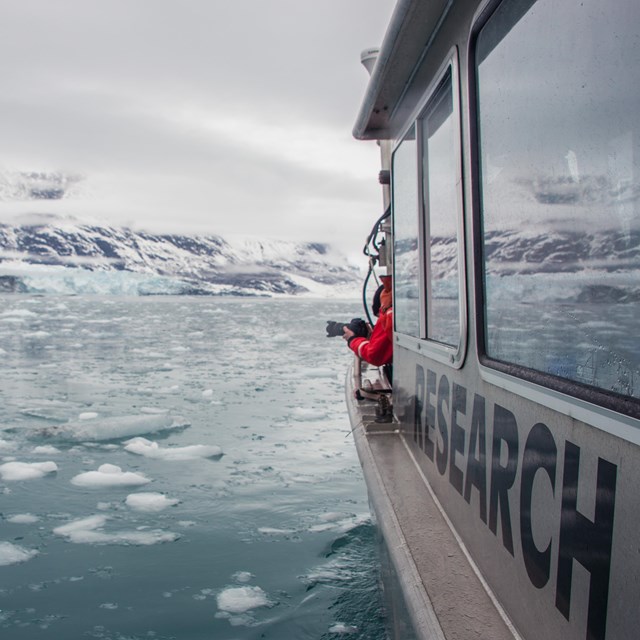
<point x="371" y="240"/>
<point x="364" y="293"/>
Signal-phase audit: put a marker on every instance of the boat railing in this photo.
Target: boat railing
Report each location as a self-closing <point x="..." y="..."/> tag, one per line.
<point x="371" y="384"/>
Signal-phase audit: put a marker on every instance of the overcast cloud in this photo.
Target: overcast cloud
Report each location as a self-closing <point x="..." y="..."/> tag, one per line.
<point x="195" y="116"/>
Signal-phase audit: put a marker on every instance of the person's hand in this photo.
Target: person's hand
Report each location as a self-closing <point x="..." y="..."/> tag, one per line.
<point x="347" y="333"/>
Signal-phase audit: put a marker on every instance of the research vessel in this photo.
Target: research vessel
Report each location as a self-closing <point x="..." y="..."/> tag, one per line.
<point x="503" y="466"/>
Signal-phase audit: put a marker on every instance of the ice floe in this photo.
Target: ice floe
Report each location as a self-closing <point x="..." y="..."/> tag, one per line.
<point x="241" y="599"/>
<point x="46" y="449"/>
<point x="13" y="553"/>
<point x="343" y="629"/>
<point x="149" y="501"/>
<point x="96" y="430"/>
<point x="6" y="445"/>
<point x="13" y="471"/>
<point x="150" y="449"/>
<point x="89" y="531"/>
<point x="109" y="475"/>
<point x="18" y="313"/>
<point x="88" y="415"/>
<point x="22" y="518"/>
<point x="242" y="576"/>
<point x="304" y="414"/>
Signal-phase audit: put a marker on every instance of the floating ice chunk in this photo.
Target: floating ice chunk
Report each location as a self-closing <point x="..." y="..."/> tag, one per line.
<point x="319" y="372"/>
<point x="26" y="470"/>
<point x="83" y="524"/>
<point x="241" y="599"/>
<point x="88" y="415"/>
<point x="331" y="516"/>
<point x="150" y="501"/>
<point x="47" y="449"/>
<point x="343" y="629"/>
<point x="242" y="576"/>
<point x="149" y="449"/>
<point x="152" y="410"/>
<point x="272" y="531"/>
<point x="18" y="313"/>
<point x="6" y="445"/>
<point x="23" y="518"/>
<point x="36" y="334"/>
<point x="319" y="528"/>
<point x="87" y="531"/>
<point x="12" y="554"/>
<point x="302" y="413"/>
<point x="207" y="393"/>
<point x="109" y="475"/>
<point x="111" y="428"/>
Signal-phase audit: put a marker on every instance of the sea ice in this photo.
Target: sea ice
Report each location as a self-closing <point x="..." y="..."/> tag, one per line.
<point x="241" y="599"/>
<point x="320" y="372"/>
<point x="149" y="449"/>
<point x="109" y="475"/>
<point x="26" y="470"/>
<point x="6" y="445"/>
<point x="242" y="576"/>
<point x="36" y="334"/>
<point x="87" y="531"/>
<point x="272" y="531"/>
<point x="303" y="414"/>
<point x="12" y="554"/>
<point x="23" y="518"/>
<point x="18" y="313"/>
<point x="110" y="428"/>
<point x="343" y="629"/>
<point x="47" y="449"/>
<point x="149" y="501"/>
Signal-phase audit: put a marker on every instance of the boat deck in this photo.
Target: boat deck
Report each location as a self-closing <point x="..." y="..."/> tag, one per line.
<point x="444" y="597"/>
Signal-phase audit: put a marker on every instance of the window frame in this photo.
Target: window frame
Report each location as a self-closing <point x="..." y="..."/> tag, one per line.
<point x="610" y="411"/>
<point x="452" y="355"/>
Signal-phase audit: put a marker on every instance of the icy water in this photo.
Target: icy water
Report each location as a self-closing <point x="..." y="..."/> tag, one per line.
<point x="180" y="468"/>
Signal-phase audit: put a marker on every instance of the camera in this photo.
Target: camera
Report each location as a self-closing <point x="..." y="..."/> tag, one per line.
<point x="357" y="325"/>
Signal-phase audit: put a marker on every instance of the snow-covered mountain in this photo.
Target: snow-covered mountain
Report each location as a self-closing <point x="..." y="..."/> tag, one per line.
<point x="47" y="253"/>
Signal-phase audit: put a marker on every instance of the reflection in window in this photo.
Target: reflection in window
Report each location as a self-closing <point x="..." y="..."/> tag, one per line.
<point x="440" y="181"/>
<point x="560" y="188"/>
<point x="406" y="302"/>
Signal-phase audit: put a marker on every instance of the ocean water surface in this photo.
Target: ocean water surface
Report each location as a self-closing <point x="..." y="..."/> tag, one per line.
<point x="177" y="467"/>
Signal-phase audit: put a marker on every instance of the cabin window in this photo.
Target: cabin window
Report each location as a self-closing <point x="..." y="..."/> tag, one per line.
<point x="558" y="89"/>
<point x="406" y="303"/>
<point x="440" y="189"/>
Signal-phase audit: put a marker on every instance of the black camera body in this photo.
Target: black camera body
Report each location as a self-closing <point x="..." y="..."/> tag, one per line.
<point x="357" y="325"/>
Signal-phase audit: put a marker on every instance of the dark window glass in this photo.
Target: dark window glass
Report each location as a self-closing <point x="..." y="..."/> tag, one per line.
<point x="441" y="179"/>
<point x="406" y="302"/>
<point x="558" y="96"/>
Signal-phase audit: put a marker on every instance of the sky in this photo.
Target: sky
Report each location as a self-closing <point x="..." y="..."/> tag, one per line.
<point x="193" y="116"/>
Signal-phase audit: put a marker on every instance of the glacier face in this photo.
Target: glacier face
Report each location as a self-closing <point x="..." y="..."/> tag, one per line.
<point x="53" y="254"/>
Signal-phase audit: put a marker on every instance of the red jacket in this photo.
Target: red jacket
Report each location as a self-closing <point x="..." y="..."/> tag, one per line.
<point x="378" y="348"/>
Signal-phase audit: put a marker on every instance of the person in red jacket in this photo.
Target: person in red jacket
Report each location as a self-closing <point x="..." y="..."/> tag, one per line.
<point x="377" y="349"/>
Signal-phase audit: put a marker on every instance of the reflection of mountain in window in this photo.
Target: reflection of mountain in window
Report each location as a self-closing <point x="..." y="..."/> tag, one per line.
<point x="559" y="165"/>
<point x="406" y="256"/>
<point x="440" y="164"/>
